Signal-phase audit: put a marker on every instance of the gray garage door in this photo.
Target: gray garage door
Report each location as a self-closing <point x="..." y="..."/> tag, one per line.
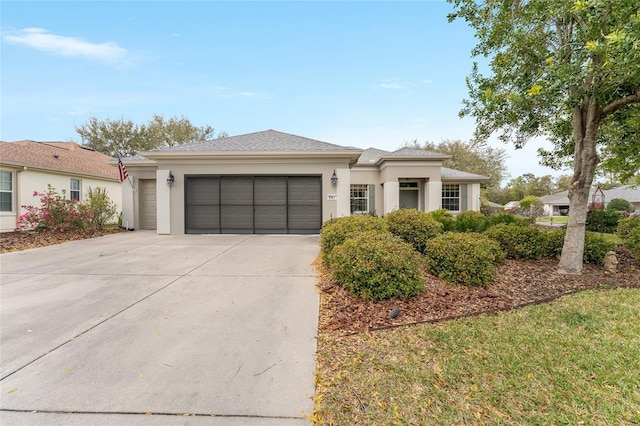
<point x="253" y="204"/>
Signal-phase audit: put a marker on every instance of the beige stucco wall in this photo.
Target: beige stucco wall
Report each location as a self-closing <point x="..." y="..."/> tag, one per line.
<point x="26" y="181"/>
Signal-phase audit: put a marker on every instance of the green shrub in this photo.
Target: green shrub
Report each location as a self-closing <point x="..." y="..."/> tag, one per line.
<point x="620" y="204"/>
<point x="377" y="266"/>
<point x="595" y="246"/>
<point x="518" y="242"/>
<point x="413" y="226"/>
<point x="445" y="217"/>
<point x="508" y="218"/>
<point x="552" y="242"/>
<point x="603" y="221"/>
<point x="471" y="221"/>
<point x="56" y="213"/>
<point x="633" y="242"/>
<point x="626" y="225"/>
<point x="336" y="231"/>
<point x="101" y="210"/>
<point x="466" y="258"/>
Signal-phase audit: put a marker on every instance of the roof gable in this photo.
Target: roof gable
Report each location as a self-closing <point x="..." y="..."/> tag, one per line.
<point x="265" y="141"/>
<point x="68" y="157"/>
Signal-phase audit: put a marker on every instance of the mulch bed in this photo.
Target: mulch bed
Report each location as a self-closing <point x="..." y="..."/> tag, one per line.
<point x="23" y="240"/>
<point x="518" y="283"/>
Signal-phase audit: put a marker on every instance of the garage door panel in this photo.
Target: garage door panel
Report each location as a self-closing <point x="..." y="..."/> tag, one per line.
<point x="205" y="218"/>
<point x="204" y="191"/>
<point x="304" y="190"/>
<point x="270" y="190"/>
<point x="236" y="190"/>
<point x="304" y="218"/>
<point x="270" y="219"/>
<point x="237" y="219"/>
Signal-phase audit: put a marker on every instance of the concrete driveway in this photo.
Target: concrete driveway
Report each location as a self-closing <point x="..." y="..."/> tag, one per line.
<point x="138" y="328"/>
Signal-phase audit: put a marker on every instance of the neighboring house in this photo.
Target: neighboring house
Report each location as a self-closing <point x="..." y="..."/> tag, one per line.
<point x="28" y="166"/>
<point x="511" y="206"/>
<point x="558" y="204"/>
<point x="274" y="182"/>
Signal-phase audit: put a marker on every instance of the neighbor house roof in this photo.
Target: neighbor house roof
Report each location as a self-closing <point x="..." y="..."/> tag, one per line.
<point x="626" y="192"/>
<point x="268" y="140"/>
<point x="67" y="157"/>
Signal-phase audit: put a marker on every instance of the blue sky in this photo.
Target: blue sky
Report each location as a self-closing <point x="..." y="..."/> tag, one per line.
<point x="364" y="74"/>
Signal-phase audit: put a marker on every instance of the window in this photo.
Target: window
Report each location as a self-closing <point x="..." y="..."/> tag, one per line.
<point x="74" y="192"/>
<point x="359" y="198"/>
<point x="6" y="191"/>
<point x="451" y="197"/>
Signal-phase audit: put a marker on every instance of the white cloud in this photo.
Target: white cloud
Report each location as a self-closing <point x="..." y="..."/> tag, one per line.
<point x="390" y="84"/>
<point x="41" y="39"/>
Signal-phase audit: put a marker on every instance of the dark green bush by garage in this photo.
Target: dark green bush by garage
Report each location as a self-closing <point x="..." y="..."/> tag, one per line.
<point x="337" y="230"/>
<point x="377" y="266"/>
<point x="463" y="258"/>
<point x="518" y="242"/>
<point x="413" y="226"/>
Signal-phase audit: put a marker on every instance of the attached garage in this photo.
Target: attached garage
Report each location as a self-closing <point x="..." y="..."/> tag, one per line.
<point x="253" y="204"/>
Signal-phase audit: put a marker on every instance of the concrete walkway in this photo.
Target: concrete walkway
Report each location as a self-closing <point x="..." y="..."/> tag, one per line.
<point x="137" y="328"/>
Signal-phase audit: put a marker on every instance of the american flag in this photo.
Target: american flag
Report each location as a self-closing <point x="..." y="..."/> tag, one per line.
<point x="122" y="171"/>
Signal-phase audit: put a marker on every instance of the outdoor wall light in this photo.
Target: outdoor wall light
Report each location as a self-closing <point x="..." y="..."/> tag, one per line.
<point x="334" y="178"/>
<point x="170" y="179"/>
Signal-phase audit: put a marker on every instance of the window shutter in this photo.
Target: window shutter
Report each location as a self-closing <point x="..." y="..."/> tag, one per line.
<point x="463" y="197"/>
<point x="372" y="198"/>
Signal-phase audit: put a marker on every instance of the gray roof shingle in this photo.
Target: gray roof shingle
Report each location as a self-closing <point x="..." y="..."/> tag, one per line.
<point x="267" y="140"/>
<point x="447" y="173"/>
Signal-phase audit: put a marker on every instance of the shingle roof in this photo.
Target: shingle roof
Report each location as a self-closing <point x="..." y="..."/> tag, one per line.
<point x="416" y="152"/>
<point x="451" y="174"/>
<point x="371" y="155"/>
<point x="626" y="192"/>
<point x="66" y="157"/>
<point x="268" y="140"/>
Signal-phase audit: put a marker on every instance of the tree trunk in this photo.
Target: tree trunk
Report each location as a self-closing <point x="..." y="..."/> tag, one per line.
<point x="585" y="120"/>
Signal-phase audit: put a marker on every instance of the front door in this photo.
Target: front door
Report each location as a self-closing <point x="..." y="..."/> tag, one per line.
<point x="408" y="199"/>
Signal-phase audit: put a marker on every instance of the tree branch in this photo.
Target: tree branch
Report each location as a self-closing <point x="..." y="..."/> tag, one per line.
<point x="619" y="103"/>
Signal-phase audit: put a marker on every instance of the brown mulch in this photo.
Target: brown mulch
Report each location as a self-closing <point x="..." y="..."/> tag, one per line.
<point x="23" y="240"/>
<point x="518" y="283"/>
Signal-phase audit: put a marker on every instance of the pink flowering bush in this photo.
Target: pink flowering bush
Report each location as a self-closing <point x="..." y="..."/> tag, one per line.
<point x="56" y="213"/>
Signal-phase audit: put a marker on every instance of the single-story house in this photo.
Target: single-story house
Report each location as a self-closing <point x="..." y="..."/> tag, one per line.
<point x="274" y="182"/>
<point x="558" y="204"/>
<point x="28" y="166"/>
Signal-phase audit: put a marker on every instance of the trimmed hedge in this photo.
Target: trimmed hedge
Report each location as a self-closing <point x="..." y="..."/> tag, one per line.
<point x="518" y="242"/>
<point x="625" y="226"/>
<point x="445" y="217"/>
<point x="413" y="226"/>
<point x="595" y="246"/>
<point x="465" y="258"/>
<point x="508" y="218"/>
<point x="335" y="231"/>
<point x="620" y="204"/>
<point x="377" y="266"/>
<point x="603" y="221"/>
<point x="633" y="242"/>
<point x="470" y="221"/>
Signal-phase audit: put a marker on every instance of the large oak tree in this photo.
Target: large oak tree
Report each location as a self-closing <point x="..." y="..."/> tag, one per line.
<point x="565" y="70"/>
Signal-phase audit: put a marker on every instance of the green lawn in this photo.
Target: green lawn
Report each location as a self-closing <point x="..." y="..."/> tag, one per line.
<point x="555" y="219"/>
<point x="574" y="361"/>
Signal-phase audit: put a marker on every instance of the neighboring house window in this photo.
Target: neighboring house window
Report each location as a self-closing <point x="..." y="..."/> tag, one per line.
<point x="359" y="198"/>
<point x="6" y="191"/>
<point x="74" y="192"/>
<point x="451" y="197"/>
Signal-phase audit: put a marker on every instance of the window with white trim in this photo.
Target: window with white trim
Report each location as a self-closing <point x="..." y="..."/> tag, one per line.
<point x="451" y="197"/>
<point x="6" y="191"/>
<point x="359" y="199"/>
<point x="74" y="191"/>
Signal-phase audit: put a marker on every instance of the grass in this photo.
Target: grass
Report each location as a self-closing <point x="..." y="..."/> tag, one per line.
<point x="554" y="219"/>
<point x="574" y="361"/>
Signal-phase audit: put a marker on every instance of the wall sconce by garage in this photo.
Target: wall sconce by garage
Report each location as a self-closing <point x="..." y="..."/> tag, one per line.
<point x="334" y="178"/>
<point x="170" y="179"/>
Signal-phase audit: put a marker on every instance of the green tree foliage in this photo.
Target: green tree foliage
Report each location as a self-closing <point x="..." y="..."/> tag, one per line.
<point x="620" y="204"/>
<point x="528" y="184"/>
<point x="564" y="70"/>
<point x="126" y="138"/>
<point x="471" y="158"/>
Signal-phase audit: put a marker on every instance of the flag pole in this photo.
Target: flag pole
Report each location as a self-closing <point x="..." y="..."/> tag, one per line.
<point x="123" y="174"/>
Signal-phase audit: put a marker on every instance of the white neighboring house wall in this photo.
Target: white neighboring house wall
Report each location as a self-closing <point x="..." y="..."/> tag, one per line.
<point x="27" y="180"/>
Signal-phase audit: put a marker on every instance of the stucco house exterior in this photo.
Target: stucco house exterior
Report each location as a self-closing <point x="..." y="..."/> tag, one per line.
<point x="28" y="166"/>
<point x="275" y="182"/>
<point x="558" y="204"/>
